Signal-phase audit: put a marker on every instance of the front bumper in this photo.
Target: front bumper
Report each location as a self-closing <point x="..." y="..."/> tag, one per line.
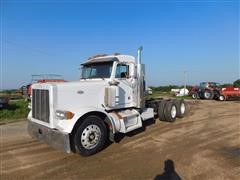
<point x="52" y="137"/>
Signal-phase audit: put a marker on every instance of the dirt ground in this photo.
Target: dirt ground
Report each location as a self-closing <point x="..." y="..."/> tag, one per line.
<point x="203" y="145"/>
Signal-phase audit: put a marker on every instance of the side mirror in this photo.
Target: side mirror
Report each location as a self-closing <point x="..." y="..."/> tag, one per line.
<point x="113" y="83"/>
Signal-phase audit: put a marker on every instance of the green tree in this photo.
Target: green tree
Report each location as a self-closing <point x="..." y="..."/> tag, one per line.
<point x="236" y="83"/>
<point x="226" y="85"/>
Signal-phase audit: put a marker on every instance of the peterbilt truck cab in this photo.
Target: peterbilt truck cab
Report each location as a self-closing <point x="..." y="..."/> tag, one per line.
<point x="108" y="99"/>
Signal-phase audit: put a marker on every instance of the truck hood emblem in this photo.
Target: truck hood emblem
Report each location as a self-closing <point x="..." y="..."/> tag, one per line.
<point x="80" y="92"/>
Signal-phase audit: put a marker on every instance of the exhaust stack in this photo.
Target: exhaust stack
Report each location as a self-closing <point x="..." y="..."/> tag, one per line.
<point x="140" y="80"/>
<point x="139" y="57"/>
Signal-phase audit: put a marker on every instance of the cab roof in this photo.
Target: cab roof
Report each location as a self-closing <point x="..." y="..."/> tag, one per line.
<point x="109" y="58"/>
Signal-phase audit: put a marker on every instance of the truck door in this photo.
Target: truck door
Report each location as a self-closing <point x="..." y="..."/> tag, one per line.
<point x="127" y="85"/>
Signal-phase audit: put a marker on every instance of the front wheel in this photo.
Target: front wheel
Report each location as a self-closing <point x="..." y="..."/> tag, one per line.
<point x="195" y="95"/>
<point x="91" y="136"/>
<point x="222" y="98"/>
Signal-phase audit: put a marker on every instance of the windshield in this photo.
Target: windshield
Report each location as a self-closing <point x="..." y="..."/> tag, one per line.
<point x="210" y="84"/>
<point x="203" y="84"/>
<point x="215" y="84"/>
<point x="97" y="70"/>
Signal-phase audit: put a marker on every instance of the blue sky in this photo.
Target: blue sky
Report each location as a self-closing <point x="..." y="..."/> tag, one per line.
<point x="52" y="37"/>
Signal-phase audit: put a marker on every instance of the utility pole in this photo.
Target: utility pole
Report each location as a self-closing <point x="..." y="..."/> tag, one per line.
<point x="185" y="81"/>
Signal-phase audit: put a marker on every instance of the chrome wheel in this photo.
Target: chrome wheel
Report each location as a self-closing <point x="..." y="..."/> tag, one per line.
<point x="182" y="108"/>
<point x="221" y="98"/>
<point x="194" y="96"/>
<point x="91" y="136"/>
<point x="173" y="111"/>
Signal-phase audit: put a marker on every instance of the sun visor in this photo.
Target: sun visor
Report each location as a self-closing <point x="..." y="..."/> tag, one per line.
<point x="100" y="60"/>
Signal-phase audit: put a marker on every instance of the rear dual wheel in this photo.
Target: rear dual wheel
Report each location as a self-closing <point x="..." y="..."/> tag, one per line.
<point x="181" y="108"/>
<point x="170" y="110"/>
<point x="161" y="107"/>
<point x="167" y="111"/>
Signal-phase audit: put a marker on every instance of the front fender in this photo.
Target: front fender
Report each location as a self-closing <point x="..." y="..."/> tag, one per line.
<point x="68" y="125"/>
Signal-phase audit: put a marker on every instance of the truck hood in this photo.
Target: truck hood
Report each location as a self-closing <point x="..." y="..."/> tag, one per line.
<point x="84" y="93"/>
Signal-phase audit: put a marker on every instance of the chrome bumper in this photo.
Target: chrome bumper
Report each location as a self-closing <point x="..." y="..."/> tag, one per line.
<point x="52" y="137"/>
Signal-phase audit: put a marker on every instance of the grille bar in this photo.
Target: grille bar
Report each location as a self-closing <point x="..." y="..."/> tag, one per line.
<point x="40" y="104"/>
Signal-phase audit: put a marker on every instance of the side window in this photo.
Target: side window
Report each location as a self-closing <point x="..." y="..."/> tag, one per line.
<point x="94" y="72"/>
<point x="122" y="71"/>
<point x="86" y="72"/>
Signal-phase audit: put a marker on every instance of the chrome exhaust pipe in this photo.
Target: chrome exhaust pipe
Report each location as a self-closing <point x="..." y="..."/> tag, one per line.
<point x="139" y="57"/>
<point x="140" y="80"/>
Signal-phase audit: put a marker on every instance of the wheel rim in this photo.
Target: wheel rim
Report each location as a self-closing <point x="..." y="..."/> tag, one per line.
<point x="221" y="98"/>
<point x="91" y="136"/>
<point x="182" y="108"/>
<point x="207" y="95"/>
<point x="194" y="96"/>
<point x="173" y="111"/>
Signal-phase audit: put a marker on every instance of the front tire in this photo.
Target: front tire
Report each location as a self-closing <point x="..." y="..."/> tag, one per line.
<point x="222" y="98"/>
<point x="195" y="95"/>
<point x="91" y="136"/>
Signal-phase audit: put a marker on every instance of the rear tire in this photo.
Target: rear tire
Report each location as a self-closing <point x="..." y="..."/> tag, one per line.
<point x="170" y="111"/>
<point x="161" y="107"/>
<point x="208" y="94"/>
<point x="181" y="108"/>
<point x="91" y="136"/>
<point x="201" y="94"/>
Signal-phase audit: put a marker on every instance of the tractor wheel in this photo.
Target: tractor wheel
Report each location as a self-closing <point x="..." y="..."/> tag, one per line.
<point x="91" y="136"/>
<point x="222" y="97"/>
<point x="201" y="94"/>
<point x="161" y="107"/>
<point x="195" y="95"/>
<point x="170" y="111"/>
<point x="208" y="94"/>
<point x="216" y="94"/>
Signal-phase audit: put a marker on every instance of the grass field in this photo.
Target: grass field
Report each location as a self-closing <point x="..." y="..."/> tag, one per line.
<point x="11" y="95"/>
<point x="16" y="110"/>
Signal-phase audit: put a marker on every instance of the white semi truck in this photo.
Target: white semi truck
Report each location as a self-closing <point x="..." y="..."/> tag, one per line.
<point x="108" y="99"/>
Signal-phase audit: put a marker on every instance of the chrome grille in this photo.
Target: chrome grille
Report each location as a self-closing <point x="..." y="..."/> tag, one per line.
<point x="40" y="104"/>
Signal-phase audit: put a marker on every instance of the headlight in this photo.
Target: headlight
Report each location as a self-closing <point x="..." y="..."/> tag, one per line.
<point x="64" y="115"/>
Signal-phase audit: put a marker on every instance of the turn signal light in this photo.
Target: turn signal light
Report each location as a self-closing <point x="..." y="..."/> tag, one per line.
<point x="69" y="115"/>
